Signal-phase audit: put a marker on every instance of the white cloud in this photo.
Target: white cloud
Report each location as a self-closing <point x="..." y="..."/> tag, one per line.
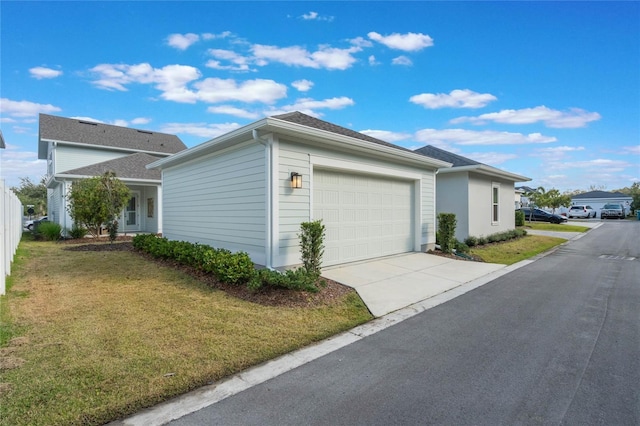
<point x="25" y="108"/>
<point x="182" y="41"/>
<point x="240" y="63"/>
<point x="457" y="98"/>
<point x="325" y="57"/>
<point x="315" y="16"/>
<point x="409" y="42"/>
<point x="17" y="164"/>
<point x="85" y="118"/>
<point x="44" y="72"/>
<point x="302" y="85"/>
<point x="574" y="117"/>
<point x="120" y="122"/>
<point x="230" y="110"/>
<point x="360" y="42"/>
<point x="487" y="137"/>
<point x="634" y="150"/>
<point x="214" y="90"/>
<point x="141" y="120"/>
<point x="211" y="36"/>
<point x="309" y="106"/>
<point x="386" y="135"/>
<point x="202" y="130"/>
<point x="402" y="60"/>
<point x="372" y="60"/>
<point x="491" y="158"/>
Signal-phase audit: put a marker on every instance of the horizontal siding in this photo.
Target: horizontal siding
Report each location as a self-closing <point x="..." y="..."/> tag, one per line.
<point x="72" y="157"/>
<point x="294" y="205"/>
<point x="218" y="200"/>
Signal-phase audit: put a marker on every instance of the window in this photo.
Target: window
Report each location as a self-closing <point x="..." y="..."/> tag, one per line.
<point x="495" y="203"/>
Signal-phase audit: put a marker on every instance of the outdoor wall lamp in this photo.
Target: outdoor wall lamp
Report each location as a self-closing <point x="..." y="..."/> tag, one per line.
<point x="296" y="180"/>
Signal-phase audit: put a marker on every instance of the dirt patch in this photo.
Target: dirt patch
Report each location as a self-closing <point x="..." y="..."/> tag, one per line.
<point x="5" y="388"/>
<point x="469" y="257"/>
<point x="10" y="362"/>
<point x="19" y="341"/>
<point x="330" y="292"/>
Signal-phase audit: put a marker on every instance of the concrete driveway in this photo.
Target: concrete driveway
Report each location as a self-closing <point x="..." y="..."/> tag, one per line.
<point x="394" y="282"/>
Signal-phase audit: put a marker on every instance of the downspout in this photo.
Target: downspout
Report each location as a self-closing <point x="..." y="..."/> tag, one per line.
<point x="63" y="207"/>
<point x="269" y="197"/>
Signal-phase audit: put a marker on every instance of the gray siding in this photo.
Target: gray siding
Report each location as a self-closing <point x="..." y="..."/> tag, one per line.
<point x="480" y="202"/>
<point x="452" y="196"/>
<point x="72" y="157"/>
<point x="219" y="200"/>
<point x="295" y="205"/>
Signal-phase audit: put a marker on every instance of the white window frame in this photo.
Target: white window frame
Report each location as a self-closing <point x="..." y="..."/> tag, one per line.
<point x="495" y="203"/>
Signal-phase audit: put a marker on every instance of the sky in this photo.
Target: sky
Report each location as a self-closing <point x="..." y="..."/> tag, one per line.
<point x="547" y="90"/>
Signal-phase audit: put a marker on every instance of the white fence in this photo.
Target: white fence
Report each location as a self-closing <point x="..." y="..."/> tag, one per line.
<point x="10" y="231"/>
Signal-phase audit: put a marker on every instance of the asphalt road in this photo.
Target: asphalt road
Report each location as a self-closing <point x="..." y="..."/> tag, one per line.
<point x="555" y="342"/>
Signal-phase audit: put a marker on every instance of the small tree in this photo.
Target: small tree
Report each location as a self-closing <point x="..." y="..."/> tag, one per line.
<point x="97" y="201"/>
<point x="447" y="231"/>
<point x="312" y="246"/>
<point x="556" y="200"/>
<point x="31" y="194"/>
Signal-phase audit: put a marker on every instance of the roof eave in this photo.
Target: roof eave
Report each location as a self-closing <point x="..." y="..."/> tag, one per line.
<point x="488" y="171"/>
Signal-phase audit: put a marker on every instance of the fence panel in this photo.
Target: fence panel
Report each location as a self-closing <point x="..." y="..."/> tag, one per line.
<point x="10" y="231"/>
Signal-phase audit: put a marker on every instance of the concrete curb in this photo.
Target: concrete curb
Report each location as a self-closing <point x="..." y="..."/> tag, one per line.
<point x="208" y="395"/>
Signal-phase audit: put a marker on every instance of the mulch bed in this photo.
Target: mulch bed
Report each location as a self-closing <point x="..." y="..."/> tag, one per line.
<point x="329" y="294"/>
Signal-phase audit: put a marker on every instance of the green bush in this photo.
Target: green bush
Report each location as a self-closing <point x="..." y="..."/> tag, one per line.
<point x="312" y="246"/>
<point x="461" y="247"/>
<point x="471" y="241"/>
<point x="294" y="279"/>
<point x="49" y="231"/>
<point x="520" y="218"/>
<point x="446" y="231"/>
<point x="77" y="232"/>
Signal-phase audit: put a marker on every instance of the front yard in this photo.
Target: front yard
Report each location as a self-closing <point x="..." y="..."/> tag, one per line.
<point x="91" y="336"/>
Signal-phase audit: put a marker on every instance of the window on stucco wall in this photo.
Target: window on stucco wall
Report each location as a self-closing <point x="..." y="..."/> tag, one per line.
<point x="495" y="203"/>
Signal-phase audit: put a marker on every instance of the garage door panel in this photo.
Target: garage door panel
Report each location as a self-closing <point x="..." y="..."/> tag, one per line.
<point x="365" y="216"/>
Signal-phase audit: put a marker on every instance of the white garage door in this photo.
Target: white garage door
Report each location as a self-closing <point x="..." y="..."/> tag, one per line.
<point x="365" y="216"/>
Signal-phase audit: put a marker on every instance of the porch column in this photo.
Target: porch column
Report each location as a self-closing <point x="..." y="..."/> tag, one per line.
<point x="159" y="209"/>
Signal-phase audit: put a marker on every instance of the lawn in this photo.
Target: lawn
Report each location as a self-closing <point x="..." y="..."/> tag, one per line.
<point x="560" y="227"/>
<point x="98" y="335"/>
<point x="510" y="252"/>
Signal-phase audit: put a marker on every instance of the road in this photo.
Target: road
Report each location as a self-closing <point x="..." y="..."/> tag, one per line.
<point x="555" y="342"/>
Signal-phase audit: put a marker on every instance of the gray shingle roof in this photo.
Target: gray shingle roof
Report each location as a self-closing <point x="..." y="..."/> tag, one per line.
<point x="91" y="133"/>
<point x="599" y="194"/>
<point x="449" y="157"/>
<point x="306" y="120"/>
<point x="129" y="167"/>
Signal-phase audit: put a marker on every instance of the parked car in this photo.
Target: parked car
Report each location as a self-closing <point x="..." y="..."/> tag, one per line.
<point x="541" y="216"/>
<point x="30" y="223"/>
<point x="581" y="211"/>
<point x="615" y="211"/>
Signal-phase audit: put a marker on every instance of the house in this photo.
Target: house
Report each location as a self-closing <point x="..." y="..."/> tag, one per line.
<point x="481" y="196"/>
<point x="76" y="149"/>
<point x="249" y="190"/>
<point x="597" y="200"/>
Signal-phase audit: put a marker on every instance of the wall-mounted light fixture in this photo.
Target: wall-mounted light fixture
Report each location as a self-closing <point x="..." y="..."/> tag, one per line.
<point x="296" y="180"/>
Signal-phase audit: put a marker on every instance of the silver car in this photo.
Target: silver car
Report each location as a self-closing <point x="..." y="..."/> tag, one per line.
<point x="615" y="211"/>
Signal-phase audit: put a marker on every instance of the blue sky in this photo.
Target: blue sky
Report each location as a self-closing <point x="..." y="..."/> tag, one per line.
<point x="549" y="90"/>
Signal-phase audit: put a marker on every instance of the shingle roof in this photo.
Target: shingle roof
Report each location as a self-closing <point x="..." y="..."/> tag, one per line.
<point x="306" y="120"/>
<point x="130" y="167"/>
<point x="449" y="157"/>
<point x="599" y="194"/>
<point x="92" y="133"/>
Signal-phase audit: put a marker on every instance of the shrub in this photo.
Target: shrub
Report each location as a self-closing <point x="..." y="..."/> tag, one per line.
<point x="461" y="247"/>
<point x="447" y="231"/>
<point x="312" y="246"/>
<point x="78" y="231"/>
<point x="520" y="218"/>
<point x="482" y="240"/>
<point x="471" y="241"/>
<point x="49" y="231"/>
<point x="294" y="279"/>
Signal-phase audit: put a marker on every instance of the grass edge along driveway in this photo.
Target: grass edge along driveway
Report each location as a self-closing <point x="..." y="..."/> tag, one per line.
<point x="102" y="335"/>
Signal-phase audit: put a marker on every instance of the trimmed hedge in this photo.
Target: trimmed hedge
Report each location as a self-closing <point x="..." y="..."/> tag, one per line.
<point x="495" y="238"/>
<point x="225" y="266"/>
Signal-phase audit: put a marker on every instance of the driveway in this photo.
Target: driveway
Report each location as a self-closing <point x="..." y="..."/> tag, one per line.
<point x="394" y="282"/>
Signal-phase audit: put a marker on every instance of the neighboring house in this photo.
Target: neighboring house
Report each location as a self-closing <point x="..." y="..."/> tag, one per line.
<point x="481" y="196"/>
<point x="597" y="200"/>
<point x="250" y="189"/>
<point x="76" y="149"/>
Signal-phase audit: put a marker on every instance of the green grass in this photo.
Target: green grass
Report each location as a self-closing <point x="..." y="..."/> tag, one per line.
<point x="510" y="252"/>
<point x="560" y="227"/>
<point x="105" y="334"/>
